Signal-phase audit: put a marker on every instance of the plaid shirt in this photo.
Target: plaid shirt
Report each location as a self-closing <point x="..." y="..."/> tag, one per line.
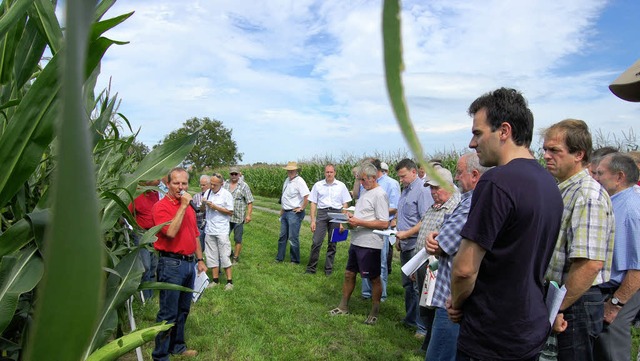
<point x="433" y="218"/>
<point x="196" y="201"/>
<point x="587" y="228"/>
<point x="241" y="198"/>
<point x="449" y="240"/>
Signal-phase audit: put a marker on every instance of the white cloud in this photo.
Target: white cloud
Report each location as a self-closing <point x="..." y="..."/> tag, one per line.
<point x="295" y="79"/>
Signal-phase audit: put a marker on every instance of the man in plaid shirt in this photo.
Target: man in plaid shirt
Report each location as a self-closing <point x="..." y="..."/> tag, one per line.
<point x="242" y="208"/>
<point x="583" y="254"/>
<point x="444" y="245"/>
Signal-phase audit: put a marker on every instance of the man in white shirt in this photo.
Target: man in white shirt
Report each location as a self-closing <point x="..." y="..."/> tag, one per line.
<point x="295" y="196"/>
<point x="327" y="196"/>
<point x="219" y="206"/>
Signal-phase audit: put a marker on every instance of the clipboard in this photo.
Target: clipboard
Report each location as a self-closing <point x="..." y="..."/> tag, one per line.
<point x="337" y="236"/>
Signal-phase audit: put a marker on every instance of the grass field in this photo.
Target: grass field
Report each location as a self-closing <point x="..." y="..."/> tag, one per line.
<point x="276" y="312"/>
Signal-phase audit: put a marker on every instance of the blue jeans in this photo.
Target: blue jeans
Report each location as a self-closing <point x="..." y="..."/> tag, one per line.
<point x="584" y="324"/>
<point x="174" y="306"/>
<point x="384" y="273"/>
<point x="290" y="229"/>
<point x="411" y="296"/>
<point x="444" y="338"/>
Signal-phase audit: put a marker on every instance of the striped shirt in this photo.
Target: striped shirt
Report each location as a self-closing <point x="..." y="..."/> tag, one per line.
<point x="449" y="240"/>
<point x="587" y="228"/>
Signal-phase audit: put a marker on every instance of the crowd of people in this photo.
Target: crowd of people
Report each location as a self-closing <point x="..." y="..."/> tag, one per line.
<point x="504" y="230"/>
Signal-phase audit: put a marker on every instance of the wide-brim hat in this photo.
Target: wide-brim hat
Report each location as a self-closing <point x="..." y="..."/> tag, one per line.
<point x="627" y="85"/>
<point x="291" y="166"/>
<point x="444" y="173"/>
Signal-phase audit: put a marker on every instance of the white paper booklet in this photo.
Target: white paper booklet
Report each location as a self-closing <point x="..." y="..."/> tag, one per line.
<point x="415" y="262"/>
<point x="555" y="295"/>
<point x="338" y="217"/>
<point x="200" y="284"/>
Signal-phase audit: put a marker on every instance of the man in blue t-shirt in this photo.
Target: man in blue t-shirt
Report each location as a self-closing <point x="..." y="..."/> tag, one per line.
<point x="497" y="291"/>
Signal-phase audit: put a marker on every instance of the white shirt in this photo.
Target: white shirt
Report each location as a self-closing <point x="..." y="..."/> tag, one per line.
<point x="217" y="223"/>
<point x="329" y="195"/>
<point x="293" y="193"/>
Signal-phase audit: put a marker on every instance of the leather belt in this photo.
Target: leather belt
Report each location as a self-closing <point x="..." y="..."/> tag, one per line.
<point x="183" y="257"/>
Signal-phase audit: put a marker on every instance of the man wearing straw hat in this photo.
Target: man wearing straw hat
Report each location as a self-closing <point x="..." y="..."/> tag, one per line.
<point x="295" y="196"/>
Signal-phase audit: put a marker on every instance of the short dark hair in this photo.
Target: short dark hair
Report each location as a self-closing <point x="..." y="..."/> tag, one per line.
<point x="620" y="162"/>
<point x="507" y="105"/>
<point x="176" y="169"/>
<point x="576" y="136"/>
<point x="406" y="163"/>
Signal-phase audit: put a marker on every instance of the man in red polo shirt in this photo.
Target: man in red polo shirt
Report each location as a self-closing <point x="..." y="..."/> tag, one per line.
<point x="177" y="242"/>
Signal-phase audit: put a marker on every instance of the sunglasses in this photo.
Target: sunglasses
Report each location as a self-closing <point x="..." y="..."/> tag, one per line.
<point x="234" y="173"/>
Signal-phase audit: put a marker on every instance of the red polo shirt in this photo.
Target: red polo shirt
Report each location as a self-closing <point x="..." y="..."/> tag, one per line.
<point x="143" y="205"/>
<point x="185" y="240"/>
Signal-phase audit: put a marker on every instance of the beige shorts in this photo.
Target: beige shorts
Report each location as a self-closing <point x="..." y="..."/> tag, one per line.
<point x="217" y="250"/>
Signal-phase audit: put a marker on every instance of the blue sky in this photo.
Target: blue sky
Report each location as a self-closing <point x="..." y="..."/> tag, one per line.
<point x="304" y="78"/>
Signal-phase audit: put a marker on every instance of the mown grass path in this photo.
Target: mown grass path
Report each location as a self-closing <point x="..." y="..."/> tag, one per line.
<point x="277" y="312"/>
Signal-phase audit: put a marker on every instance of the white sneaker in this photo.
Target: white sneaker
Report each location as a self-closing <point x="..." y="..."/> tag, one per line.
<point x="228" y="287"/>
<point x="212" y="284"/>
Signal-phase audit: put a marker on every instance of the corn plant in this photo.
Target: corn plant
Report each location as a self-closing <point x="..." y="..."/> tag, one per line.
<point x="65" y="180"/>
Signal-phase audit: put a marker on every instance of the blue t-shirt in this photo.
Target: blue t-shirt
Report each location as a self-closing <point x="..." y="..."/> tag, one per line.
<point x="515" y="216"/>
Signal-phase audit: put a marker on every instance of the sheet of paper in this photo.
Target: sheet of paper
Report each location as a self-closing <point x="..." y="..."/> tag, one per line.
<point x="199" y="285"/>
<point x="415" y="262"/>
<point x="555" y="295"/>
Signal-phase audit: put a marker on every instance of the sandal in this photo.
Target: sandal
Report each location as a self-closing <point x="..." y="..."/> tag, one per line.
<point x="371" y="320"/>
<point x="337" y="311"/>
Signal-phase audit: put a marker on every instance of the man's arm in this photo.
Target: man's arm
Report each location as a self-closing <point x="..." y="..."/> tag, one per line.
<point x="215" y="207"/>
<point x="464" y="271"/>
<point x="629" y="286"/>
<point x="305" y="201"/>
<point x="313" y="216"/>
<point x="581" y="274"/>
<point x="374" y="224"/>
<point x="176" y="221"/>
<point x="247" y="218"/>
<point x="202" y="267"/>
<point x="409" y="232"/>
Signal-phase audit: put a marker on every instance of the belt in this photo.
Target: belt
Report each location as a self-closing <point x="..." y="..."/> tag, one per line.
<point x="183" y="257"/>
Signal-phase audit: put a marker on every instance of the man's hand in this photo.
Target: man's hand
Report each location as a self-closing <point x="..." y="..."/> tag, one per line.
<point x="353" y="221"/>
<point x="185" y="198"/>
<point x="432" y="246"/>
<point x="454" y="315"/>
<point x="610" y="312"/>
<point x="560" y="324"/>
<point x="202" y="267"/>
<point x="247" y="219"/>
<point x="313" y="225"/>
<point x="402" y="234"/>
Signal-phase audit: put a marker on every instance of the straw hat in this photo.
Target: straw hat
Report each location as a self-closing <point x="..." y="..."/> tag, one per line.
<point x="292" y="166"/>
<point x="627" y="85"/>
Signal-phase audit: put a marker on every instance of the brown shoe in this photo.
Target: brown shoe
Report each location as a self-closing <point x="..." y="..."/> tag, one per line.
<point x="189" y="353"/>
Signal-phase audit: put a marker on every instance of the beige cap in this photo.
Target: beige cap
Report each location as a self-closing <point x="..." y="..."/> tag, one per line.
<point x="444" y="173"/>
<point x="384" y="166"/>
<point x="627" y="85"/>
<point x="234" y="170"/>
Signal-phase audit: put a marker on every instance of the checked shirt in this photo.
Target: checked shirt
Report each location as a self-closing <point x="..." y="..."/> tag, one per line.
<point x="433" y="218"/>
<point x="587" y="228"/>
<point x="449" y="241"/>
<point x="241" y="197"/>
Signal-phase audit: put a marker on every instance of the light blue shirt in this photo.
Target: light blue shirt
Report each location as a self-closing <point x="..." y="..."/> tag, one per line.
<point x="626" y="249"/>
<point x="414" y="201"/>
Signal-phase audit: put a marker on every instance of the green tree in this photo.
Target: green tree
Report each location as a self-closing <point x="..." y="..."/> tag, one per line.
<point x="214" y="146"/>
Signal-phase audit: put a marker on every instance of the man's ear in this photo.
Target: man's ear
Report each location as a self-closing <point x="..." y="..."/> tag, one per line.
<point x="505" y="131"/>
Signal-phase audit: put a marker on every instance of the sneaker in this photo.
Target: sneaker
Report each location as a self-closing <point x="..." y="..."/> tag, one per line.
<point x="189" y="353"/>
<point x="235" y="260"/>
<point x="212" y="284"/>
<point x="228" y="287"/>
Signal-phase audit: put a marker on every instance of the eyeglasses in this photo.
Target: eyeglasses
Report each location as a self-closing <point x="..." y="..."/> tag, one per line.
<point x="234" y="173"/>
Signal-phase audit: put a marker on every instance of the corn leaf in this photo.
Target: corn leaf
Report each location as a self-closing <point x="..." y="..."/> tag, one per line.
<point x="116" y="348"/>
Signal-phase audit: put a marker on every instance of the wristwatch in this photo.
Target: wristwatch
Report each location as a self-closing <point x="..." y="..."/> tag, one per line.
<point x="616" y="301"/>
<point x="199" y="259"/>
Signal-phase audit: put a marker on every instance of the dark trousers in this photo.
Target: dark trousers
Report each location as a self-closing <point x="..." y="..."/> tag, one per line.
<point x="584" y="319"/>
<point x="174" y="306"/>
<point x="323" y="227"/>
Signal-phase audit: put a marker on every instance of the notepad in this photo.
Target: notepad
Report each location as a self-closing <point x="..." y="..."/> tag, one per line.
<point x="199" y="285"/>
